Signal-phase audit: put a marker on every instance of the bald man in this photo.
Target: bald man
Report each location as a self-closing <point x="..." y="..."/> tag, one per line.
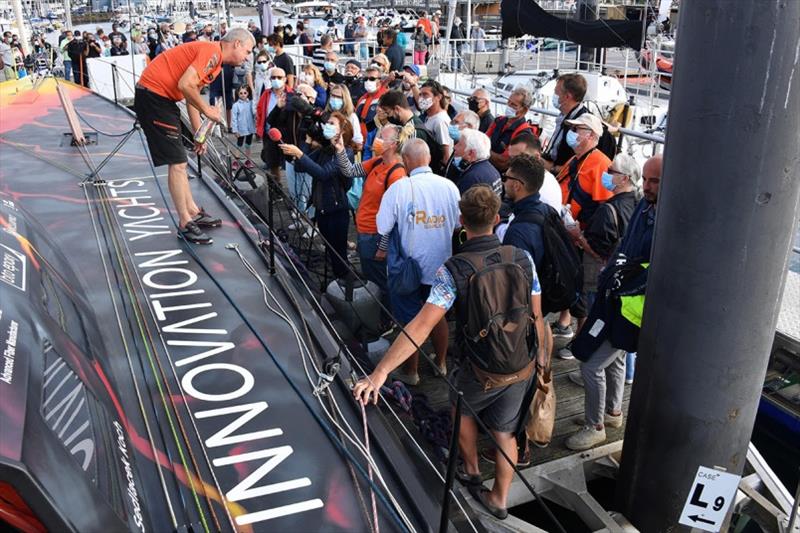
<point x="424" y="208"/>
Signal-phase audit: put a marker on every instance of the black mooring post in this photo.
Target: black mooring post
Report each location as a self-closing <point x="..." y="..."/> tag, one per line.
<point x="727" y="213"/>
<point x="271" y="220"/>
<point x="452" y="461"/>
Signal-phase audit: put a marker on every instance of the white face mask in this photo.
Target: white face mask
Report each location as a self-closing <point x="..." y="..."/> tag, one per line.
<point x="425" y="103"/>
<point x="510" y="111"/>
<point x="307" y="78"/>
<point x="371" y="86"/>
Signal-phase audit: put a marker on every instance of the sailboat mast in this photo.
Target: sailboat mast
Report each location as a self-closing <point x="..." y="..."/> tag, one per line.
<point x="24" y="38"/>
<point x="728" y="205"/>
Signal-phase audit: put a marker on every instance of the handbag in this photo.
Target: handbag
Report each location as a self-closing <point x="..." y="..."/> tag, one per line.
<point x="404" y="275"/>
<point x="543" y="409"/>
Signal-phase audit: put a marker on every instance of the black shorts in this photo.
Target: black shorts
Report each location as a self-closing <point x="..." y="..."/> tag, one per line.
<point x="160" y="119"/>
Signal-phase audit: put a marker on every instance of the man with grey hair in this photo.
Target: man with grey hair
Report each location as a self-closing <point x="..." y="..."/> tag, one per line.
<point x="480" y="103"/>
<point x="474" y="148"/>
<point x="463" y="119"/>
<point x="419" y="214"/>
<point x="321" y="52"/>
<point x="507" y="127"/>
<point x="174" y="75"/>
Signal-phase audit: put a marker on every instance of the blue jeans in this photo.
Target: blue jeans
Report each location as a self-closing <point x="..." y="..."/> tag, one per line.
<point x="299" y="186"/>
<point x="630" y="365"/>
<point x="373" y="270"/>
<point x="68" y="70"/>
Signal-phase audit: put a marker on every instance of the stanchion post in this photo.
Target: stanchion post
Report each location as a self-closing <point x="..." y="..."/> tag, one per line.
<point x="452" y="461"/>
<point x="114" y="80"/>
<point x="271" y="219"/>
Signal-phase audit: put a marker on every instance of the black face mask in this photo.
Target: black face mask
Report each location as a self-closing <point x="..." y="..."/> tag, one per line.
<point x="396" y="121"/>
<point x="472" y="103"/>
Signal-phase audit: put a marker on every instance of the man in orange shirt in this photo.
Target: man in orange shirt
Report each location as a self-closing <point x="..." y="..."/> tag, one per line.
<point x="177" y="74"/>
<point x="581" y="180"/>
<point x="581" y="176"/>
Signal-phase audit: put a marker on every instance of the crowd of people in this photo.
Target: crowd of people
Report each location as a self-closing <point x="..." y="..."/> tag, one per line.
<point x="454" y="210"/>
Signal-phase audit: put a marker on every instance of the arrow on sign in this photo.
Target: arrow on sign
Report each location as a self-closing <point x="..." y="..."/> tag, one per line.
<point x="697" y="518"/>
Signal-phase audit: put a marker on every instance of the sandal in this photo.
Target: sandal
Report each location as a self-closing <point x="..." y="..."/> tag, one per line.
<point x="479" y="493"/>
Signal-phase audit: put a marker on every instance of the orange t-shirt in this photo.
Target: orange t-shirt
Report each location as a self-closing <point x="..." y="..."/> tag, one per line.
<point x="590" y="172"/>
<point x="374" y="186"/>
<point x="426" y="26"/>
<point x="163" y="73"/>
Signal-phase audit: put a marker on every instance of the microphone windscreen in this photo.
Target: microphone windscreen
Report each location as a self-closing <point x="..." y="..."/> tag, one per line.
<point x="275" y="135"/>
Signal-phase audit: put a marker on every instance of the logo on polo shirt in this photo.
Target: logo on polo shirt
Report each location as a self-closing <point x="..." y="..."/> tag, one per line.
<point x="429" y="221"/>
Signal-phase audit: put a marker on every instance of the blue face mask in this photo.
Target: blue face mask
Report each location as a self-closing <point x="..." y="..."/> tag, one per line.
<point x="271" y="49"/>
<point x="329" y="131"/>
<point x="608" y="181"/>
<point x="555" y="101"/>
<point x="336" y="103"/>
<point x="330" y="66"/>
<point x="457" y="161"/>
<point x="572" y="138"/>
<point x="454" y="132"/>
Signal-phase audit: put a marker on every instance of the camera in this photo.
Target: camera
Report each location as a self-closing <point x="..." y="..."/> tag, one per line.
<point x="312" y="118"/>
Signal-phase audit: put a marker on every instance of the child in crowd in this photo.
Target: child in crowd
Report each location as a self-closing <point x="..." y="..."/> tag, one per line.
<point x="243" y="124"/>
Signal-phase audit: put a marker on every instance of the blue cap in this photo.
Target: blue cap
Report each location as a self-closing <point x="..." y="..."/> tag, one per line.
<point x="414" y="69"/>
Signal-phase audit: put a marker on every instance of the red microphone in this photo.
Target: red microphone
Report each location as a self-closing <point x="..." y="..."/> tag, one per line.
<point x="275" y="135"/>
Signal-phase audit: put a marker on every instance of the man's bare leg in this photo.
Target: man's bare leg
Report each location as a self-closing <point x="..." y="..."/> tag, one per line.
<point x="504" y="472"/>
<point x="440" y="337"/>
<point x="468" y="443"/>
<point x="178" y="182"/>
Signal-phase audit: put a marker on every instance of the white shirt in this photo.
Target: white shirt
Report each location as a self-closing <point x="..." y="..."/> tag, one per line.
<point x="550" y="191"/>
<point x="437" y="126"/>
<point x="357" y="137"/>
<point x="425" y="209"/>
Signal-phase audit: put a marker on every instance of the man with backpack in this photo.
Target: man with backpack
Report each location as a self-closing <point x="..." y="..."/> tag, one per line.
<point x="496" y="294"/>
<point x="396" y="110"/>
<point x="537" y="229"/>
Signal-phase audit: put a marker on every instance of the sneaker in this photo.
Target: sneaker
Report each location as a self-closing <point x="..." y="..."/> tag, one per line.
<point x="204" y="220"/>
<point x="612" y="421"/>
<point x="586" y="437"/>
<point x="193" y="234"/>
<point x="523" y="457"/>
<point x="565" y="353"/>
<point x="563" y="332"/>
<point x="576" y="377"/>
<point x="408" y="379"/>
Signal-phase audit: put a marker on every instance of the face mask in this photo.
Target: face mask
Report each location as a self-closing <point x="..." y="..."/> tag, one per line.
<point x="330" y="66"/>
<point x="271" y="49"/>
<point x="454" y="132"/>
<point x="572" y="138"/>
<point x="329" y="131"/>
<point x="371" y="86"/>
<point x="261" y="67"/>
<point x="307" y="78"/>
<point x="556" y="102"/>
<point x="473" y="104"/>
<point x="276" y="84"/>
<point x="336" y="103"/>
<point x="608" y="181"/>
<point x="377" y="146"/>
<point x="457" y="161"/>
<point x="425" y="104"/>
<point x="510" y="111"/>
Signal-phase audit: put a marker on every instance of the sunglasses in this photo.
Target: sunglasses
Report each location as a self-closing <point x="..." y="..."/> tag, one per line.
<point x="262" y="62"/>
<point x="505" y="177"/>
<point x="577" y="129"/>
<point x="371" y="78"/>
<point x="276" y="77"/>
<point x="612" y="171"/>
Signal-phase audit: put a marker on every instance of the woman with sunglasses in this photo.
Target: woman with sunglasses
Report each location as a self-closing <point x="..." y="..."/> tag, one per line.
<point x="260" y="76"/>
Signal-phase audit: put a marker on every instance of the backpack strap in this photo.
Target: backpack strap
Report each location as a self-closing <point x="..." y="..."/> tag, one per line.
<point x="389" y="175"/>
<point x="533" y="217"/>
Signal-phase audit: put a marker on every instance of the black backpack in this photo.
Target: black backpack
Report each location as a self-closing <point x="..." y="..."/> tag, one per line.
<point x="495" y="313"/>
<point x="561" y="270"/>
<point x="607" y="144"/>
